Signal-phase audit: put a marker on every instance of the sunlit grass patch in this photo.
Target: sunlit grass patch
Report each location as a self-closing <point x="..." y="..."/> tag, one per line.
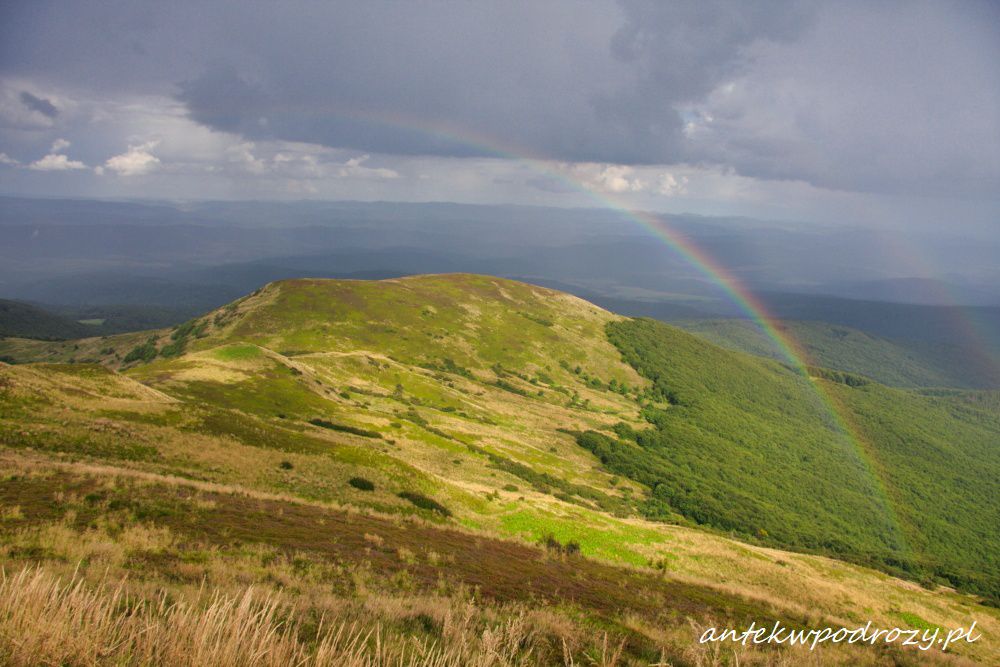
<point x="237" y="352"/>
<point x="595" y="535"/>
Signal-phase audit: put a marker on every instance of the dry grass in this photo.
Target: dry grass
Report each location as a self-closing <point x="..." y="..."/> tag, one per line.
<point x="230" y="539"/>
<point x="47" y="621"/>
<point x="100" y="586"/>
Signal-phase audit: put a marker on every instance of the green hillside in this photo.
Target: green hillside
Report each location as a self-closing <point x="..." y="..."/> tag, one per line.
<point x="23" y="320"/>
<point x="27" y="321"/>
<point x="894" y="362"/>
<point x="750" y="446"/>
<point x="419" y="439"/>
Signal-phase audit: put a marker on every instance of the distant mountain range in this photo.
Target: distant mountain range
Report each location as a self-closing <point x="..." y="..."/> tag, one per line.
<point x="49" y="244"/>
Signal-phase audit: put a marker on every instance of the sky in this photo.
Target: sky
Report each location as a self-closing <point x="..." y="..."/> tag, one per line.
<point x="882" y="113"/>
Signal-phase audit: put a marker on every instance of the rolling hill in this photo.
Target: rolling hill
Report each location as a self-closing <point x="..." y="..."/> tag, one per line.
<point x="48" y="322"/>
<point x="29" y="321"/>
<point x="425" y="445"/>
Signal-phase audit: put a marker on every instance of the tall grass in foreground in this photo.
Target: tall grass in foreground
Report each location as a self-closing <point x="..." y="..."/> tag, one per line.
<point x="47" y="621"/>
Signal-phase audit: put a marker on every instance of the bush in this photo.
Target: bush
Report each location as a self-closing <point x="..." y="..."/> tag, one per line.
<point x="507" y="386"/>
<point x="415" y="417"/>
<point x="285" y="465"/>
<point x="174" y="349"/>
<point x="571" y="548"/>
<point x="425" y="503"/>
<point x="322" y="423"/>
<point x="145" y="352"/>
<point x="361" y="484"/>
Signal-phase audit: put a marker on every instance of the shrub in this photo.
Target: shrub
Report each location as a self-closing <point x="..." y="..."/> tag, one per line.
<point x="415" y="417"/>
<point x="551" y="543"/>
<point x="173" y="349"/>
<point x="322" y="423"/>
<point x="571" y="548"/>
<point x="285" y="465"/>
<point x="425" y="503"/>
<point x="450" y="366"/>
<point x="361" y="484"/>
<point x="538" y="319"/>
<point x="507" y="386"/>
<point x="145" y="352"/>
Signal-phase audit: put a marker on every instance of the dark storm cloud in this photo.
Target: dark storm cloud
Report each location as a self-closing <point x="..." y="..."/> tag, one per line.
<point x="682" y="51"/>
<point x="888" y="96"/>
<point x="455" y="80"/>
<point x="561" y="80"/>
<point x="873" y="97"/>
<point x="39" y="104"/>
<point x="601" y="86"/>
<point x="220" y="98"/>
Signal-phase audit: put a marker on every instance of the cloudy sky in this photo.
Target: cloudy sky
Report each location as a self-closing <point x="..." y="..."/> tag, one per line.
<point x="867" y="111"/>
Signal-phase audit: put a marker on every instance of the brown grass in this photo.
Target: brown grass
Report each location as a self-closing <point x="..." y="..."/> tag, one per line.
<point x="110" y="560"/>
<point x="46" y="621"/>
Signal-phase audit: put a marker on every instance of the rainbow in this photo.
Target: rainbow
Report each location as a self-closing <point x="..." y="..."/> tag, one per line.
<point x="717" y="274"/>
<point x="964" y="323"/>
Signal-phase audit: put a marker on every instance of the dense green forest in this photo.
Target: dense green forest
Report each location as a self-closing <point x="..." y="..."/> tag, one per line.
<point x="55" y="322"/>
<point x="29" y="321"/>
<point x="747" y="445"/>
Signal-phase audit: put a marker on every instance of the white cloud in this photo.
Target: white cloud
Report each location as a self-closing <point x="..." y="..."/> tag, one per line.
<point x="670" y="185"/>
<point x="59" y="145"/>
<point x="242" y="154"/>
<point x="56" y="162"/>
<point x="8" y="160"/>
<point x="137" y="160"/>
<point x="609" y="178"/>
<point x="622" y="179"/>
<point x="306" y="161"/>
<point x="354" y="168"/>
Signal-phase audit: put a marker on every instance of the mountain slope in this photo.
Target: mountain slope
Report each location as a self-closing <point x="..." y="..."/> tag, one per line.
<point x="28" y="321"/>
<point x="456" y="401"/>
<point x="753" y="447"/>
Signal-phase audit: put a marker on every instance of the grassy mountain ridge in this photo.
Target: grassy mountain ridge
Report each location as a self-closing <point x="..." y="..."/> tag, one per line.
<point x="447" y="401"/>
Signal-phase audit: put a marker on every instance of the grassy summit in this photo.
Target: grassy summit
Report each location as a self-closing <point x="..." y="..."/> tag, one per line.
<point x="419" y="438"/>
